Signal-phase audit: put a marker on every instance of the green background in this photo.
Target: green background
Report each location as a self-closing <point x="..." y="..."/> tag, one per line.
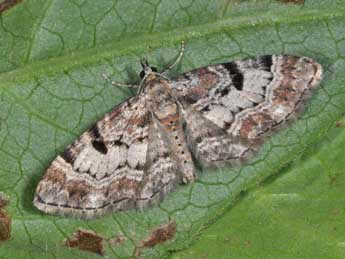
<point x="287" y="203"/>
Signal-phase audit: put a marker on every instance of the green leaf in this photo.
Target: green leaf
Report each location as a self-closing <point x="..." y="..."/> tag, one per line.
<point x="298" y="213"/>
<point x="52" y="55"/>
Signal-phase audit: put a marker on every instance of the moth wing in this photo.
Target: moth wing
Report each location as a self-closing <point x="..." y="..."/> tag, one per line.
<point x="103" y="169"/>
<point x="230" y="107"/>
<point x="162" y="172"/>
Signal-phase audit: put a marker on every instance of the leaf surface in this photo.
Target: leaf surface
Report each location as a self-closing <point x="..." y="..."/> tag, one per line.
<point x="298" y="213"/>
<point x="52" y="56"/>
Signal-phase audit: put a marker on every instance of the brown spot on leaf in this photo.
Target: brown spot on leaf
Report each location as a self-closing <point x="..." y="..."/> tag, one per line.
<point x="5" y="226"/>
<point x="335" y="211"/>
<point x="5" y="220"/>
<point x="160" y="234"/>
<point x="86" y="240"/>
<point x="247" y="243"/>
<point x="3" y="200"/>
<point x="7" y="4"/>
<point x="117" y="240"/>
<point x="332" y="179"/>
<point x="296" y="2"/>
<point x="340" y="124"/>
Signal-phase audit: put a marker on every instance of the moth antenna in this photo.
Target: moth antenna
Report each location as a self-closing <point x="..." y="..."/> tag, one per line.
<point x="118" y="84"/>
<point x="178" y="59"/>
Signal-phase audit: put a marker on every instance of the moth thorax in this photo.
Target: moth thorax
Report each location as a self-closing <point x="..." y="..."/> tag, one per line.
<point x="156" y="83"/>
<point x="165" y="110"/>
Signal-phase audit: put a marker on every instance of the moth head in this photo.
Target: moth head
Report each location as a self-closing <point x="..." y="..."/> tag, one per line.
<point x="147" y="69"/>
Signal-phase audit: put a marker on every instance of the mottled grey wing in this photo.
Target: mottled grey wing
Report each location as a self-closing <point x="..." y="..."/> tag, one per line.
<point x="229" y="107"/>
<point x="101" y="171"/>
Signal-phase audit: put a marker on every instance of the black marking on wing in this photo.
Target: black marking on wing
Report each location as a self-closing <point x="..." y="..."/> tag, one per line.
<point x="138" y="166"/>
<point x="164" y="155"/>
<point x="186" y="76"/>
<point x="106" y="204"/>
<point x="224" y="91"/>
<point x="206" y="108"/>
<point x="68" y="156"/>
<point x="94" y="132"/>
<point x="97" y="141"/>
<point x="100" y="146"/>
<point x="119" y="143"/>
<point x="236" y="75"/>
<point x="266" y="62"/>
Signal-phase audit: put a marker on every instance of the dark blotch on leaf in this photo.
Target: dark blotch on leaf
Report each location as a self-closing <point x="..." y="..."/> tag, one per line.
<point x="160" y="234"/>
<point x="340" y="123"/>
<point x="5" y="220"/>
<point x="7" y="4"/>
<point x="3" y="200"/>
<point x="117" y="240"/>
<point x="86" y="240"/>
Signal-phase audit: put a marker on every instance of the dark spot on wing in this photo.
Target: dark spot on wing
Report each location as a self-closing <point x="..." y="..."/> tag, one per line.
<point x="266" y="62"/>
<point x="206" y="108"/>
<point x="68" y="156"/>
<point x="100" y="146"/>
<point x="141" y="139"/>
<point x="235" y="74"/>
<point x="119" y="143"/>
<point x="186" y="76"/>
<point x="94" y="132"/>
<point x="77" y="189"/>
<point x="224" y="91"/>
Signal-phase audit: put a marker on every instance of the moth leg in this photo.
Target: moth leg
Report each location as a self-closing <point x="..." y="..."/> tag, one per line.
<point x="118" y="84"/>
<point x="177" y="61"/>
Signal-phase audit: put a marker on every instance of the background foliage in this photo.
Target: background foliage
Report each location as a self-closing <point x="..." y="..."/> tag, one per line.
<point x="52" y="55"/>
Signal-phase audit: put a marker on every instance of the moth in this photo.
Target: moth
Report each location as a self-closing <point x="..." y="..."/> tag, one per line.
<point x="144" y="147"/>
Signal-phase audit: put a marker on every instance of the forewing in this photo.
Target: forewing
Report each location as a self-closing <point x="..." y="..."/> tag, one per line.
<point x="242" y="101"/>
<point x="102" y="170"/>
